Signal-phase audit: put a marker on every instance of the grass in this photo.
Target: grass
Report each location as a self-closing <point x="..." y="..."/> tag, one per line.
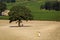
<point x="4" y="17"/>
<point x="38" y="13"/>
<point x="46" y="15"/>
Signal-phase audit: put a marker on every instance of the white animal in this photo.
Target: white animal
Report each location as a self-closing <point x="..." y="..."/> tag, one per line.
<point x="38" y="33"/>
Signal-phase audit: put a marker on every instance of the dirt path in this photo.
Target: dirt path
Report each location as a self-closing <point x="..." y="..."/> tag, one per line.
<point x="49" y="30"/>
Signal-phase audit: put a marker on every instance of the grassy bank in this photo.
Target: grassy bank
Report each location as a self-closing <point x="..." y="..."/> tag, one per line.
<point x="37" y="13"/>
<point x="4" y="17"/>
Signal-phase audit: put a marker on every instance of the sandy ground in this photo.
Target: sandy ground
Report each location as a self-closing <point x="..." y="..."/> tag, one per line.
<point x="32" y="30"/>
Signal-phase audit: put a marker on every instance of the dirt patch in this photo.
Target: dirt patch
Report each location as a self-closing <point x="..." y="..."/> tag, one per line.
<point x="49" y="30"/>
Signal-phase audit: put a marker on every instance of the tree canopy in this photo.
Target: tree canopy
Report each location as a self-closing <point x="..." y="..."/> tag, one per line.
<point x="18" y="13"/>
<point x="2" y="7"/>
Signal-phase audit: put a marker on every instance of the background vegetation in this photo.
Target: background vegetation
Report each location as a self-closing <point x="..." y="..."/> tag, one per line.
<point x="39" y="14"/>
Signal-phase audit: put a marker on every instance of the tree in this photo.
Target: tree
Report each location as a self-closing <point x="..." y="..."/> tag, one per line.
<point x="8" y="1"/>
<point x="18" y="13"/>
<point x="2" y="7"/>
<point x="56" y="6"/>
<point x="51" y="5"/>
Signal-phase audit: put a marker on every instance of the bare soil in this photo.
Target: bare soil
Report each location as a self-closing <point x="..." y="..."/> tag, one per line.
<point x="48" y="30"/>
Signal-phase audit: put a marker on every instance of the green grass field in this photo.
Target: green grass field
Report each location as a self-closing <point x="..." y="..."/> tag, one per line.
<point x="39" y="14"/>
<point x="4" y="17"/>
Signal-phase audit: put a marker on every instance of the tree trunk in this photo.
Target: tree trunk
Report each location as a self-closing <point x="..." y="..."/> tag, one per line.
<point x="0" y="14"/>
<point x="19" y="23"/>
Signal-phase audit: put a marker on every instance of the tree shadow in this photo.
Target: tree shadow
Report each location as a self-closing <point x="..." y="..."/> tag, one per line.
<point x="21" y="26"/>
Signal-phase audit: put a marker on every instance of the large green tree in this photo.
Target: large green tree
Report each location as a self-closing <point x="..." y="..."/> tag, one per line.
<point x="2" y="7"/>
<point x="51" y="5"/>
<point x="18" y="13"/>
